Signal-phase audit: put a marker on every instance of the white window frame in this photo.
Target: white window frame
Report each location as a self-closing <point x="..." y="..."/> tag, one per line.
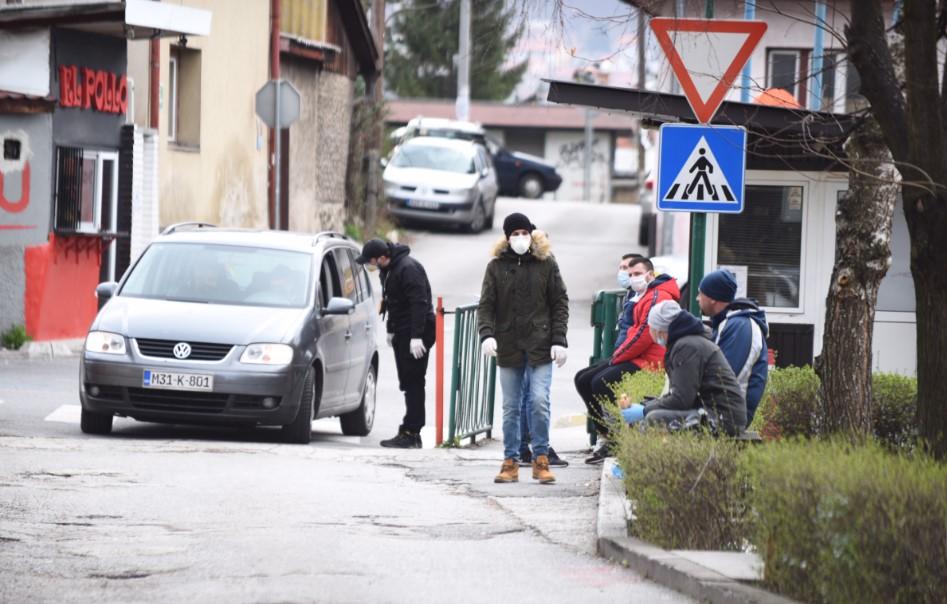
<point x="834" y="104"/>
<point x="770" y="53"/>
<point x="100" y="158"/>
<point x="172" y="98"/>
<point x="714" y="239"/>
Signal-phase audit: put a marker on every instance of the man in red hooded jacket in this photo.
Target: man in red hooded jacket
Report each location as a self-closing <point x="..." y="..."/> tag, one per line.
<point x="638" y="351"/>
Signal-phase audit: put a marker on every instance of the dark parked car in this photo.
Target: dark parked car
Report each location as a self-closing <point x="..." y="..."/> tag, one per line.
<point x="518" y="174"/>
<point x="235" y="327"/>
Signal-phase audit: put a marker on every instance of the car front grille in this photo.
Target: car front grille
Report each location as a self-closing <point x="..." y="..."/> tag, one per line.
<point x="176" y="400"/>
<point x="200" y="351"/>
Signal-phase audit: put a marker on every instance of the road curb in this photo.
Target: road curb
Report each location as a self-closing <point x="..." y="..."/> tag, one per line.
<point x="45" y="349"/>
<point x="660" y="565"/>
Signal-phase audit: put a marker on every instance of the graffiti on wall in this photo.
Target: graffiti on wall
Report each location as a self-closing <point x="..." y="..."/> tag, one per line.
<point x="572" y="154"/>
<point x="14" y="177"/>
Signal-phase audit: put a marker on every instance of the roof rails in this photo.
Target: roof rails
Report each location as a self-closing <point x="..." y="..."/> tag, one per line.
<point x="328" y="235"/>
<point x="188" y="225"/>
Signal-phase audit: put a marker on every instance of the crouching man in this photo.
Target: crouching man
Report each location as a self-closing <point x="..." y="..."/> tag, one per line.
<point x="698" y="373"/>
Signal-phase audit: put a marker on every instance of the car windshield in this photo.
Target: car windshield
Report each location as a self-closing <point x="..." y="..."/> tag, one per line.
<point x="434" y="158"/>
<point x="221" y="274"/>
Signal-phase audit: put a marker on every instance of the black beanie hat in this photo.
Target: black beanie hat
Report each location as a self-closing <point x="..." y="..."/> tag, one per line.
<point x="516" y="221"/>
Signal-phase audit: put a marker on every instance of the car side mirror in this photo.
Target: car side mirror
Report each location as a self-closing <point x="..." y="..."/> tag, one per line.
<point x="340" y="306"/>
<point x="104" y="291"/>
<point x="384" y="162"/>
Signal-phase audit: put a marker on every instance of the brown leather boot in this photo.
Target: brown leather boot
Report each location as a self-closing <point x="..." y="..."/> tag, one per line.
<point x="509" y="472"/>
<point x="541" y="470"/>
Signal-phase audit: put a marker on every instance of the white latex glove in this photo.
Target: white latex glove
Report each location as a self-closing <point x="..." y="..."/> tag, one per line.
<point x="417" y="348"/>
<point x="391" y="339"/>
<point x="559" y="355"/>
<point x="489" y="347"/>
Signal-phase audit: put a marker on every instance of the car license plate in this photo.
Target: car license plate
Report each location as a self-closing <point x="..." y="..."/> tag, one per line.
<point x="423" y="204"/>
<point x="168" y="380"/>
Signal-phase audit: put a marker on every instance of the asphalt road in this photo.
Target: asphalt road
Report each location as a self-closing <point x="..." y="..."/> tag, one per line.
<point x="171" y="513"/>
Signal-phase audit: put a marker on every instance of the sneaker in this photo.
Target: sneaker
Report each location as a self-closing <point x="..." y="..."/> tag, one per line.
<point x="598" y="455"/>
<point x="526" y="457"/>
<point x="556" y="461"/>
<point x="403" y="440"/>
<point x="509" y="472"/>
<point x="541" y="470"/>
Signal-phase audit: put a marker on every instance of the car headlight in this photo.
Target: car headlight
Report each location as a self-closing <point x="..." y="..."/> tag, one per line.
<point x="267" y="354"/>
<point x="103" y="341"/>
<point x="462" y="192"/>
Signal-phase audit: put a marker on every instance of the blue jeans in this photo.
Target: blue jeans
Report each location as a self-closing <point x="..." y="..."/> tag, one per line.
<point x="511" y="383"/>
<point x="526" y="411"/>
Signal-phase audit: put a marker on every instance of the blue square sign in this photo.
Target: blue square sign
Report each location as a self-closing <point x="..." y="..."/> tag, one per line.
<point x="701" y="168"/>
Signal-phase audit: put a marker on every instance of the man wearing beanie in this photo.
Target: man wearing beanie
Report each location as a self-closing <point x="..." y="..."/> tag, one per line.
<point x="740" y="330"/>
<point x="698" y="374"/>
<point x="523" y="317"/>
<point x="406" y="299"/>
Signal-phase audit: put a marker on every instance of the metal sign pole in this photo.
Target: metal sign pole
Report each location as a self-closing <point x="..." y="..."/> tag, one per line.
<point x="698" y="232"/>
<point x="278" y="171"/>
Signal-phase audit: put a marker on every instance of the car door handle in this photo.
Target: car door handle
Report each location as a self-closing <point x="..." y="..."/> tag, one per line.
<point x="368" y="326"/>
<point x="348" y="335"/>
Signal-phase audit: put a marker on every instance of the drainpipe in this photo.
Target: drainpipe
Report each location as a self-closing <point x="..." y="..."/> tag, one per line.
<point x="154" y="81"/>
<point x="818" y="49"/>
<point x="749" y="13"/>
<point x="274" y="132"/>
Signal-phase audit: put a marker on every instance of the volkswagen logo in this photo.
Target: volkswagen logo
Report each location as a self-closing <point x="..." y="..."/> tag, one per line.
<point x="182" y="350"/>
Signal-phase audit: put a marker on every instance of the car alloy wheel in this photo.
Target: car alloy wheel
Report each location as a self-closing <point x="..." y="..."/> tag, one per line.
<point x="531" y="186"/>
<point x="479" y="218"/>
<point x="359" y="422"/>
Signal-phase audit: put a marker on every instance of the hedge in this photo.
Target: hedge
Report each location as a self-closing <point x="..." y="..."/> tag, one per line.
<point x="836" y="523"/>
<point x="832" y="522"/>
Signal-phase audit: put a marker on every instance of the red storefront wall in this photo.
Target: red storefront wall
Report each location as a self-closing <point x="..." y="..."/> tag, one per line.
<point x="61" y="276"/>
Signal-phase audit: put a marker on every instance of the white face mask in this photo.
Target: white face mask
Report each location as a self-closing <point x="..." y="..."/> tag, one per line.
<point x="639" y="283"/>
<point x="520" y="243"/>
<point x="624" y="281"/>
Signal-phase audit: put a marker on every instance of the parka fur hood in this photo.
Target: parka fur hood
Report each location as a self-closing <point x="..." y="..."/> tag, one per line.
<point x="541" y="247"/>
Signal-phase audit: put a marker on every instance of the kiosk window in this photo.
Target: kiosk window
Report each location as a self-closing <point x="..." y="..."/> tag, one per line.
<point x="767" y="239"/>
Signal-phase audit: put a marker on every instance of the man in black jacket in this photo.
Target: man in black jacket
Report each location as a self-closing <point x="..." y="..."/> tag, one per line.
<point x="406" y="298"/>
<point x="698" y="373"/>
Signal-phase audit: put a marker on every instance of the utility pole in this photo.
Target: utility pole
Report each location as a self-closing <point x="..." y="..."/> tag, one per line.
<point x="642" y="32"/>
<point x="698" y="229"/>
<point x="377" y="137"/>
<point x="462" y="106"/>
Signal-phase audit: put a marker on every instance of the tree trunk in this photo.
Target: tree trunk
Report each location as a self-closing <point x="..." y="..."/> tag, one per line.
<point x="862" y="257"/>
<point x="911" y="113"/>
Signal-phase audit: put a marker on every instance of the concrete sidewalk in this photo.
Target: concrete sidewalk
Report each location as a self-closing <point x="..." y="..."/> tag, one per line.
<point x="45" y="349"/>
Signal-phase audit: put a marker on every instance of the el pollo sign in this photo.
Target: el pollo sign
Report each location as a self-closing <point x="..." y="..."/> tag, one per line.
<point x="96" y="89"/>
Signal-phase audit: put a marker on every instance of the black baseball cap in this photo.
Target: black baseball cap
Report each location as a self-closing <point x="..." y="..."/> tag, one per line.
<point x="373" y="248"/>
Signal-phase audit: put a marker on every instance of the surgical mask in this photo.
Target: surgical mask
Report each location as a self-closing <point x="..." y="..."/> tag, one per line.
<point x="639" y="283"/>
<point x="624" y="281"/>
<point x="520" y="243"/>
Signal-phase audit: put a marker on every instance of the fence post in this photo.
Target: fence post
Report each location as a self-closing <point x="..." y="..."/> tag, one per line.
<point x="439" y="371"/>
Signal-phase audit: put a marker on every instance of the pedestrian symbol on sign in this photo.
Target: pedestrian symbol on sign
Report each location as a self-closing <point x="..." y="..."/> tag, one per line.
<point x="701" y="178"/>
<point x="701" y="168"/>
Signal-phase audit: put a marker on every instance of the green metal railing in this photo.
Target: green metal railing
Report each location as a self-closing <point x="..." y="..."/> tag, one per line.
<point x="606" y="308"/>
<point x="473" y="381"/>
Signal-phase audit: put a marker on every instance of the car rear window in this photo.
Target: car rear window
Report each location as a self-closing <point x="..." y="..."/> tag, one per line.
<point x="434" y="158"/>
<point x="221" y="274"/>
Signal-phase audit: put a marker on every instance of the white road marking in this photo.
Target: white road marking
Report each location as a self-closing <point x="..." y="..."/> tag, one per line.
<point x="66" y="414"/>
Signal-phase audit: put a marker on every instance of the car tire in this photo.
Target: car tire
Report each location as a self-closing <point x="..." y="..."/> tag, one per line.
<point x="360" y="421"/>
<point x="95" y="423"/>
<point x="299" y="431"/>
<point x="479" y="220"/>
<point x="531" y="186"/>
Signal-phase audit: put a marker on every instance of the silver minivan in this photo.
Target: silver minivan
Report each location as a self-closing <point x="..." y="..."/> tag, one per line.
<point x="235" y="327"/>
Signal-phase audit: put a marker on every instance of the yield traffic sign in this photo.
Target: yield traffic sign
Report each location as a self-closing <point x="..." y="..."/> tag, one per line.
<point x="701" y="168"/>
<point x="706" y="56"/>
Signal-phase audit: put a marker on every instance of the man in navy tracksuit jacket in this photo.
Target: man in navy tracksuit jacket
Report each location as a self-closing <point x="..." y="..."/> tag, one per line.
<point x="740" y="330"/>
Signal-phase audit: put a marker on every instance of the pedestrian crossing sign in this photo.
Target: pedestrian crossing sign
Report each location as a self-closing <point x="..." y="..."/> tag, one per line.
<point x="701" y="168"/>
